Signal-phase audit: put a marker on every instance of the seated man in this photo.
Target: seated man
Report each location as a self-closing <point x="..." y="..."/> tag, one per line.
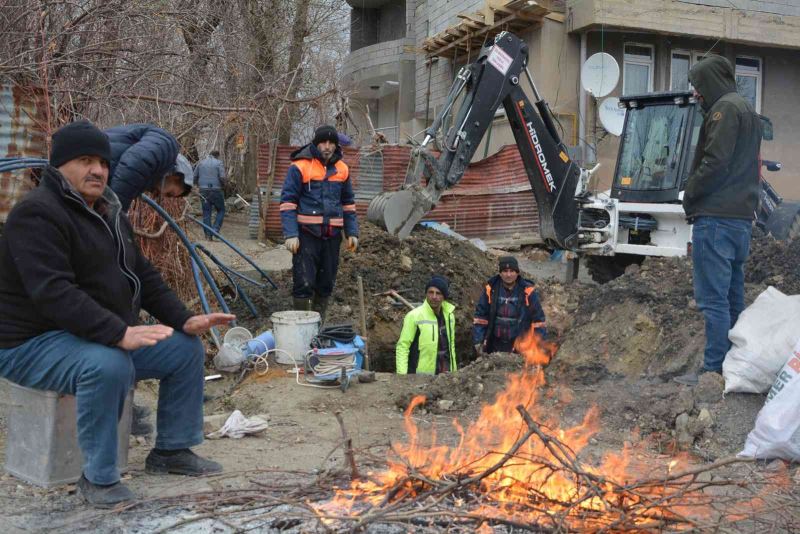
<point x="145" y="159"/>
<point x="72" y="282"/>
<point x="427" y="341"/>
<point x="507" y="309"/>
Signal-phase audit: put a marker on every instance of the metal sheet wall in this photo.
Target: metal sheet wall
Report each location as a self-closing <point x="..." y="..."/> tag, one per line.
<point x="22" y="133"/>
<point x="493" y="201"/>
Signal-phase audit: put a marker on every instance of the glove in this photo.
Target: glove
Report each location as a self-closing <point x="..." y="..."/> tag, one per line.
<point x="479" y="349"/>
<point x="292" y="244"/>
<point x="352" y="243"/>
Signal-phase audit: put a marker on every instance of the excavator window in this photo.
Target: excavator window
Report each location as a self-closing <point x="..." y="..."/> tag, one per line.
<point x="650" y="155"/>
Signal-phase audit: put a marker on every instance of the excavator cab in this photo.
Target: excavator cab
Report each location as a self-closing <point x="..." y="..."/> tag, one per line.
<point x="657" y="146"/>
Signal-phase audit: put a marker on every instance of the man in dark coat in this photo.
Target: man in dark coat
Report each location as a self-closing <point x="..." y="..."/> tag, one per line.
<point x="720" y="199"/>
<point x="317" y="204"/>
<point x="145" y="159"/>
<point x="507" y="309"/>
<point x="72" y="282"/>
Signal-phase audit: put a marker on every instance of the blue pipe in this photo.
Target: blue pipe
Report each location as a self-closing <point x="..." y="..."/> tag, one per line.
<point x="226" y="268"/>
<point x="193" y="253"/>
<point x="227" y="271"/>
<point x="203" y="301"/>
<point x="235" y="249"/>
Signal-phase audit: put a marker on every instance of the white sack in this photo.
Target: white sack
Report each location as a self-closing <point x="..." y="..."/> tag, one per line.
<point x="777" y="430"/>
<point x="762" y="340"/>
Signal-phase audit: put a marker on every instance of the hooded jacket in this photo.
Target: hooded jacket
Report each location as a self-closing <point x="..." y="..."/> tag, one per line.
<point x="724" y="181"/>
<point x="66" y="266"/>
<point x="141" y="155"/>
<point x="318" y="197"/>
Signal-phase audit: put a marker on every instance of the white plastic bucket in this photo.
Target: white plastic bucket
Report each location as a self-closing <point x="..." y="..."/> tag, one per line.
<point x="293" y="332"/>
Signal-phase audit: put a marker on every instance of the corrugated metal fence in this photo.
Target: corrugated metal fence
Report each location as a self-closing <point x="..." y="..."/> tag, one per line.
<point x="493" y="201"/>
<point x="21" y="135"/>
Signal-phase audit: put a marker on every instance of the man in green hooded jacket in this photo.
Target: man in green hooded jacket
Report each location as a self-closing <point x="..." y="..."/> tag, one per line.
<point x="427" y="341"/>
<point x="720" y="199"/>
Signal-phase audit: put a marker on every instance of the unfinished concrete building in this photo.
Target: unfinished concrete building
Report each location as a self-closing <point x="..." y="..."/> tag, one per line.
<point x="405" y="53"/>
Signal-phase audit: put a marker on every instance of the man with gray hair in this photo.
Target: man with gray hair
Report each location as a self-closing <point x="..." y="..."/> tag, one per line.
<point x="209" y="174"/>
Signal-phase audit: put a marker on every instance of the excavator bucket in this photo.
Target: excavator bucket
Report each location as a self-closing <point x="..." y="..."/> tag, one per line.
<point x="399" y="211"/>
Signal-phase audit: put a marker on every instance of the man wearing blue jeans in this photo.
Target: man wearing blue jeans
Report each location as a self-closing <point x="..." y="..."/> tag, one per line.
<point x="72" y="282"/>
<point x="210" y="177"/>
<point x="720" y="199"/>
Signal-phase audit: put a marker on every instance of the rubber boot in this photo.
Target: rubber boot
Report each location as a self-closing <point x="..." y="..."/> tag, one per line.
<point x="321" y="306"/>
<point x="302" y="304"/>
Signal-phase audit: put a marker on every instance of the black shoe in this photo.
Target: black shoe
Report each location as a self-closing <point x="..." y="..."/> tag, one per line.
<point x="183" y="462"/>
<point x="104" y="496"/>
<point x="692" y="379"/>
<point x="140" y="426"/>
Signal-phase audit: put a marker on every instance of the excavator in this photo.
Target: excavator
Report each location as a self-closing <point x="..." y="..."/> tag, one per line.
<point x="641" y="215"/>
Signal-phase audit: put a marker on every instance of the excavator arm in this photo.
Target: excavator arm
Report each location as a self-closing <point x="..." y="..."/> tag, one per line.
<point x="493" y="80"/>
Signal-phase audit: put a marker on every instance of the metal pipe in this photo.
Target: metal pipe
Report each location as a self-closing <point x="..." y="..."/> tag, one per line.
<point x="235" y="249"/>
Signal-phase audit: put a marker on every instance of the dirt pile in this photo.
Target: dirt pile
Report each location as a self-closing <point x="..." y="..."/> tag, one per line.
<point x="644" y="323"/>
<point x="385" y="262"/>
<point x="774" y="263"/>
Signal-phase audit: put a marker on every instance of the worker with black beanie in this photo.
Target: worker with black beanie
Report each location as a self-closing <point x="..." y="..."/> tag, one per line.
<point x="507" y="310"/>
<point x="427" y="341"/>
<point x="318" y="208"/>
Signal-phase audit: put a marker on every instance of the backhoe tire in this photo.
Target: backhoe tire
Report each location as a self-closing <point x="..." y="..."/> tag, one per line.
<point x="603" y="269"/>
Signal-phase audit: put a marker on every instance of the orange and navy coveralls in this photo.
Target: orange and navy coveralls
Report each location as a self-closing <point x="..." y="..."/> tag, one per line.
<point x="501" y="315"/>
<point x="317" y="203"/>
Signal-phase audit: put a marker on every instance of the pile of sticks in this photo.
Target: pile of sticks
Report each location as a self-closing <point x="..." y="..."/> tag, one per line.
<point x="719" y="497"/>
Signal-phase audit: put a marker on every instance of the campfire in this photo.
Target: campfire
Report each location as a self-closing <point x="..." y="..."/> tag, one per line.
<point x="516" y="465"/>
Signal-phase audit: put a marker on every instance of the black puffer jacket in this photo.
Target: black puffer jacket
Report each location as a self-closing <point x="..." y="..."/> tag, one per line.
<point x="64" y="266"/>
<point x="725" y="170"/>
<point x="141" y="154"/>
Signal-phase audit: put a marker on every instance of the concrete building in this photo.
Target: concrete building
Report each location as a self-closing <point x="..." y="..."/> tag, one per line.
<point x="405" y="54"/>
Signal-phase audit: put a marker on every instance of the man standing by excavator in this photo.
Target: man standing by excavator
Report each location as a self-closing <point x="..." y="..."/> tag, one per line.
<point x="508" y="308"/>
<point x="317" y="204"/>
<point x="720" y="199"/>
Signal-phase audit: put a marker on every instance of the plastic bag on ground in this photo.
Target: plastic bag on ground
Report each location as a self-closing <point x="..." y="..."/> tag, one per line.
<point x="762" y="340"/>
<point x="238" y="426"/>
<point x="777" y="430"/>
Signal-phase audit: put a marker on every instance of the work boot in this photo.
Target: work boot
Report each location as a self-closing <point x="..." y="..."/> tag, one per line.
<point x="692" y="379"/>
<point x="140" y="426"/>
<point x="179" y="462"/>
<point x="104" y="496"/>
<point x="321" y="306"/>
<point x="302" y="304"/>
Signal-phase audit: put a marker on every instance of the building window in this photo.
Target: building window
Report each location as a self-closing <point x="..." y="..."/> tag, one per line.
<point x="748" y="80"/>
<point x="637" y="75"/>
<point x="679" y="70"/>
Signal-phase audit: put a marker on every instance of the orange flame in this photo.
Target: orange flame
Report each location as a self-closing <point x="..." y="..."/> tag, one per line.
<point x="534" y="474"/>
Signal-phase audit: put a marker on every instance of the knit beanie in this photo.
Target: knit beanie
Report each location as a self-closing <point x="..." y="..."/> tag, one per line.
<point x="325" y="133"/>
<point x="508" y="262"/>
<point x="441" y="283"/>
<point x="76" y="139"/>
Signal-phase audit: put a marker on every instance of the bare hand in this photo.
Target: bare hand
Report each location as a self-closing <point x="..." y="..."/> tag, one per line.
<point x="137" y="337"/>
<point x="200" y="324"/>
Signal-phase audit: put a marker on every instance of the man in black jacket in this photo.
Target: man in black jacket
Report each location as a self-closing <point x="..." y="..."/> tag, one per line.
<point x="72" y="282"/>
<point x="720" y="198"/>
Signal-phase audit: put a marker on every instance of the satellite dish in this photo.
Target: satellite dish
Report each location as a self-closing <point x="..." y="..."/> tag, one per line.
<point x="600" y="74"/>
<point x="611" y="116"/>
